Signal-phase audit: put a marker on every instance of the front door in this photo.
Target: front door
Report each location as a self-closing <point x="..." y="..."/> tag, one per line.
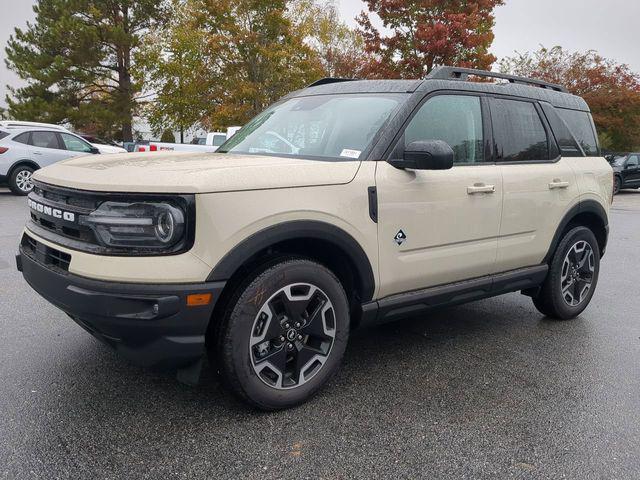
<point x="439" y="227"/>
<point x="631" y="172"/>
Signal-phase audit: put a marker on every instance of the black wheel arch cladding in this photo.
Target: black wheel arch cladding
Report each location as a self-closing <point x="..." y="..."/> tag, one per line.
<point x="299" y="230"/>
<point x="585" y="213"/>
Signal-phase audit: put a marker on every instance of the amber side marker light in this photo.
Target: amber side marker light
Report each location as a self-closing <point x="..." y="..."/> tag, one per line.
<point x="198" y="299"/>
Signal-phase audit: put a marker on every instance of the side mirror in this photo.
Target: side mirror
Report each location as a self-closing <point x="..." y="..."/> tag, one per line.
<point x="426" y="155"/>
<point x="94" y="150"/>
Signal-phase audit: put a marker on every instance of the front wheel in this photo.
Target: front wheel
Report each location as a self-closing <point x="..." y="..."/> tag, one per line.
<point x="573" y="276"/>
<point x="283" y="334"/>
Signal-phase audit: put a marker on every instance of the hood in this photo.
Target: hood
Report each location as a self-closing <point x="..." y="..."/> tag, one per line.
<point x="108" y="148"/>
<point x="189" y="172"/>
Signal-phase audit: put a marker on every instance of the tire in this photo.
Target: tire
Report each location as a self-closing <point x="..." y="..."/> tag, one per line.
<point x="20" y="180"/>
<point x="563" y="295"/>
<point x="275" y="303"/>
<point x="617" y="184"/>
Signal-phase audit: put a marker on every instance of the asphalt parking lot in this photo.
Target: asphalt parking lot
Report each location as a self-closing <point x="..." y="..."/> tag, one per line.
<point x="486" y="390"/>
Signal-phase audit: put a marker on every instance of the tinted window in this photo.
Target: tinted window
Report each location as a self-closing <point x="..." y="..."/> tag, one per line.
<point x="581" y="126"/>
<point x="44" y="140"/>
<point x="74" y="143"/>
<point x="3" y="134"/>
<point x="633" y="161"/>
<point x="568" y="145"/>
<point x="518" y="131"/>
<point x="455" y="119"/>
<point x="22" y="138"/>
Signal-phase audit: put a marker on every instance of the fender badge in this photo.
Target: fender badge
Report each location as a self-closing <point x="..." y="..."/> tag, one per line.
<point x="400" y="237"/>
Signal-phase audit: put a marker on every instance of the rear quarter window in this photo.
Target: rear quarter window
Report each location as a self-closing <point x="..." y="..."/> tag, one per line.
<point x="3" y="134"/>
<point x="581" y="126"/>
<point x="22" y="138"/>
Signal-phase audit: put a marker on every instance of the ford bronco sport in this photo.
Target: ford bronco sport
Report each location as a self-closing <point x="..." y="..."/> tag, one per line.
<point x="345" y="204"/>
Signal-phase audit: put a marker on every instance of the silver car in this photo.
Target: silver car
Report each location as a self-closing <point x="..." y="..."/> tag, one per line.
<point x="24" y="150"/>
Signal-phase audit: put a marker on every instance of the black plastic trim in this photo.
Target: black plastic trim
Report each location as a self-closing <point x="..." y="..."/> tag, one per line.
<point x="401" y="305"/>
<point x="303" y="229"/>
<point x="586" y="206"/>
<point x="372" y="194"/>
<point x="149" y="324"/>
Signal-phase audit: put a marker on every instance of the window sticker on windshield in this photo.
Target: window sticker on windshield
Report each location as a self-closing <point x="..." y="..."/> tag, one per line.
<point x="350" y="153"/>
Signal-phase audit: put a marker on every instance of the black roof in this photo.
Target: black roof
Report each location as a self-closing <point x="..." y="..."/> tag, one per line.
<point x="447" y="78"/>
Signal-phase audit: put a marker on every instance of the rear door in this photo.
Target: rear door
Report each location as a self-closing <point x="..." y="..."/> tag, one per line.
<point x="439" y="227"/>
<point x="539" y="185"/>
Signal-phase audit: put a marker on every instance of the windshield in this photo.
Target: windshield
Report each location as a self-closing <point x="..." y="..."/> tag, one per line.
<point x="326" y="126"/>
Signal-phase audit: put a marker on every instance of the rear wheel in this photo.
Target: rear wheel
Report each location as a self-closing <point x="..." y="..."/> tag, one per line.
<point x="20" y="180"/>
<point x="617" y="184"/>
<point x="573" y="276"/>
<point x="284" y="334"/>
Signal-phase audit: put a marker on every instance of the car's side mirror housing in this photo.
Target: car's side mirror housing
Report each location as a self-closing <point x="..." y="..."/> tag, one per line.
<point x="426" y="155"/>
<point x="94" y="150"/>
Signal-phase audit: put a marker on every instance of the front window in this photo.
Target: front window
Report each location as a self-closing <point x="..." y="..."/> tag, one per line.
<point x="75" y="144"/>
<point x="619" y="161"/>
<point x="325" y="126"/>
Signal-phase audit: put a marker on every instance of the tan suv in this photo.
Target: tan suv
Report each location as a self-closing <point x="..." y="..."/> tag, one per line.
<point x="345" y="204"/>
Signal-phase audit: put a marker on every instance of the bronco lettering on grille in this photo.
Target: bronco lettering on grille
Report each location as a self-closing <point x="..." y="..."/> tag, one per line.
<point x="51" y="211"/>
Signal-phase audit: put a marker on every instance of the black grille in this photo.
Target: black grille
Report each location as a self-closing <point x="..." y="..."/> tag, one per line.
<point x="69" y="201"/>
<point x="46" y="255"/>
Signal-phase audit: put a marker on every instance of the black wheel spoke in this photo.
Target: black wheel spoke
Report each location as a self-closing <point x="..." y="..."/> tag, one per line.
<point x="289" y="333"/>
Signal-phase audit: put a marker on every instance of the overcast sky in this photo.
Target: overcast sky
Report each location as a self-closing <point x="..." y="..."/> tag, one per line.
<point x="521" y="25"/>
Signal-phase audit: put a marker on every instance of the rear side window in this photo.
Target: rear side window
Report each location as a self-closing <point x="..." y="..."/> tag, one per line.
<point x="581" y="126"/>
<point x="455" y="119"/>
<point x="22" y="138"/>
<point x="44" y="140"/>
<point x="219" y="140"/>
<point x="518" y="131"/>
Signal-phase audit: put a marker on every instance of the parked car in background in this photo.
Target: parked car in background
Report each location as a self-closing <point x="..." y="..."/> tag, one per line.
<point x="24" y="150"/>
<point x="105" y="146"/>
<point x="626" y="169"/>
<point x="210" y="143"/>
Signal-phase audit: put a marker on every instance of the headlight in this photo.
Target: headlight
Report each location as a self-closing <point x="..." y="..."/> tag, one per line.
<point x="141" y="225"/>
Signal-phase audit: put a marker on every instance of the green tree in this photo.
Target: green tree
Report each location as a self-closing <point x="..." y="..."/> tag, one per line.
<point x="221" y="62"/>
<point x="426" y="34"/>
<point x="611" y="89"/>
<point x="79" y="58"/>
<point x="167" y="136"/>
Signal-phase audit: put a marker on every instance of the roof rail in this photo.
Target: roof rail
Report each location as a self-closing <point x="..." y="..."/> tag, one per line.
<point x="454" y="73"/>
<point x="327" y="80"/>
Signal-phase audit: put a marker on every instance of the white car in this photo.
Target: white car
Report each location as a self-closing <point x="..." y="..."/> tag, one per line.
<point x="24" y="150"/>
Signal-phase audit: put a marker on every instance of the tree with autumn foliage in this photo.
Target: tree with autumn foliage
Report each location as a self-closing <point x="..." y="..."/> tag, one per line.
<point x="611" y="89"/>
<point x="221" y="62"/>
<point x="425" y="34"/>
<point x="339" y="48"/>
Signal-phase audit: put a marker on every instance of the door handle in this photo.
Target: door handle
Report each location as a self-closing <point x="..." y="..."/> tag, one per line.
<point x="558" y="184"/>
<point x="481" y="188"/>
<point x="37" y="153"/>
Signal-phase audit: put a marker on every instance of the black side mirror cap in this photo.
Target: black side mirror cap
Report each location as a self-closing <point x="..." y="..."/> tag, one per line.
<point x="426" y="155"/>
<point x="94" y="150"/>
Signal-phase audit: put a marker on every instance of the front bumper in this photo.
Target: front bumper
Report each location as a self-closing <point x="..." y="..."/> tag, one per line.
<point x="150" y="325"/>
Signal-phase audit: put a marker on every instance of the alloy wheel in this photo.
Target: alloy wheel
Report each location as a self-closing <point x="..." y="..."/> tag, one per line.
<point x="23" y="181"/>
<point x="292" y="336"/>
<point x="577" y="275"/>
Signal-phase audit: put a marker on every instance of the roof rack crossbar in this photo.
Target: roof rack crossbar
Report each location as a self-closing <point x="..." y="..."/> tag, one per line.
<point x="328" y="80"/>
<point x="454" y="73"/>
